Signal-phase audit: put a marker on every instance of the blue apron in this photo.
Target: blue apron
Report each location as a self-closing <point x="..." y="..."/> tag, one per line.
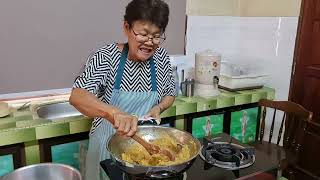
<point x="138" y="103"/>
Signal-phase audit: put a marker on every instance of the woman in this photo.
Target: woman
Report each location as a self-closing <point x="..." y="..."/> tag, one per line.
<point x="125" y="81"/>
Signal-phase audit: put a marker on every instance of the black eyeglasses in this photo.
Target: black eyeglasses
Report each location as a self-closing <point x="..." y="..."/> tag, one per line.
<point x="144" y="38"/>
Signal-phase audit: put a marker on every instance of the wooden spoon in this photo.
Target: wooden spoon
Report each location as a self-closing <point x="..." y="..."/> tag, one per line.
<point x="152" y="148"/>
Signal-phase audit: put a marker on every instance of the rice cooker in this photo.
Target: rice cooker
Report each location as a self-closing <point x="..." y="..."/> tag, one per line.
<point x="207" y="73"/>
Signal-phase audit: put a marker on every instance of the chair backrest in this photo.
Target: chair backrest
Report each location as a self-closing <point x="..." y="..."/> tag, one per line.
<point x="293" y="119"/>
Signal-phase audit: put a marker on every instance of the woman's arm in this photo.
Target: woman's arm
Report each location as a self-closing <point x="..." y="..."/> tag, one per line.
<point x="164" y="104"/>
<point x="89" y="105"/>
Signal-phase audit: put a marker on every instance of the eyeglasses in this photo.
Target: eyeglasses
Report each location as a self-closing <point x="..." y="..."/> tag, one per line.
<point x="144" y="38"/>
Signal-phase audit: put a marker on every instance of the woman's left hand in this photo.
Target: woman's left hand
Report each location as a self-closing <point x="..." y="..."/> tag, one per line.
<point x="155" y="113"/>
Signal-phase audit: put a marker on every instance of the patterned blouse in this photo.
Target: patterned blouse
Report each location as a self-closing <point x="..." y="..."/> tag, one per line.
<point x="100" y="72"/>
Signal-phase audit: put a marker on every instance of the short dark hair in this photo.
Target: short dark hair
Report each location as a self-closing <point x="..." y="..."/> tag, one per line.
<point x="155" y="11"/>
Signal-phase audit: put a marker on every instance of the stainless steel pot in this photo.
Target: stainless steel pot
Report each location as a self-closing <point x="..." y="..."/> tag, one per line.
<point x="44" y="171"/>
<point x="117" y="144"/>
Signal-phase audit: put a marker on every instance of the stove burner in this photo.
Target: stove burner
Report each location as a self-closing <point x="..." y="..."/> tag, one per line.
<point x="227" y="155"/>
<point x="226" y="151"/>
<point x="182" y="176"/>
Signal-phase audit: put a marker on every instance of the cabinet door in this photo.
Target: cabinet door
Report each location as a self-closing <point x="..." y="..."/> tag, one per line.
<point x="243" y="126"/>
<point x="73" y="153"/>
<point x="207" y="125"/>
<point x="11" y="157"/>
<point x="6" y="164"/>
<point x="70" y="150"/>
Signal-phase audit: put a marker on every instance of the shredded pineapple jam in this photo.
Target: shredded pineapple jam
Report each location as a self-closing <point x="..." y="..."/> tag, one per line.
<point x="137" y="154"/>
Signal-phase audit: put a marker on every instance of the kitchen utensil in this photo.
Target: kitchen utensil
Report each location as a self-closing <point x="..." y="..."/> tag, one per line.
<point x="182" y="75"/>
<point x="183" y="88"/>
<point x="4" y="109"/>
<point x="241" y="76"/>
<point x="207" y="66"/>
<point x="187" y="87"/>
<point x="179" y="145"/>
<point x="176" y="78"/>
<point x="47" y="171"/>
<point x="25" y="105"/>
<point x="145" y="120"/>
<point x="152" y="148"/>
<point x="243" y="82"/>
<point x="182" y="83"/>
<point x="117" y="144"/>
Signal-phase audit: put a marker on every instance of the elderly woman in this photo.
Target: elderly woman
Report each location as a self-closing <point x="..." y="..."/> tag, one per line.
<point x="124" y="81"/>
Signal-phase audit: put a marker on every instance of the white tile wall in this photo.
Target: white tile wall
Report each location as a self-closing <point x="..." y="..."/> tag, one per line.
<point x="267" y="42"/>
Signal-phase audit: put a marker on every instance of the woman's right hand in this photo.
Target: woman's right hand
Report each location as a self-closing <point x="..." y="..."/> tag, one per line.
<point x="125" y="124"/>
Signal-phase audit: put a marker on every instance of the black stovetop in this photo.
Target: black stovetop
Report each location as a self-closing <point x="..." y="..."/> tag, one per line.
<point x="206" y="171"/>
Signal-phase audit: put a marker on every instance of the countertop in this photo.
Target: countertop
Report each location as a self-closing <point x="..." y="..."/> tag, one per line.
<point x="22" y="126"/>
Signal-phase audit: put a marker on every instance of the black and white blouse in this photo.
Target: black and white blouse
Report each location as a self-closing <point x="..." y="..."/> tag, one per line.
<point x="100" y="72"/>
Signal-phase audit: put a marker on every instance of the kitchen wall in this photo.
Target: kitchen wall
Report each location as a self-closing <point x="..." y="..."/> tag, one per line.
<point x="45" y="43"/>
<point x="261" y="32"/>
<point x="254" y="8"/>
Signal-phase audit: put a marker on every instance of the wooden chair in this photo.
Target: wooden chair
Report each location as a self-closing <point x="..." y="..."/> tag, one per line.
<point x="292" y="123"/>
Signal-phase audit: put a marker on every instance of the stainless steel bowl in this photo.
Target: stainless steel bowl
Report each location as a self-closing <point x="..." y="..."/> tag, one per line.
<point x="44" y="171"/>
<point x="117" y="144"/>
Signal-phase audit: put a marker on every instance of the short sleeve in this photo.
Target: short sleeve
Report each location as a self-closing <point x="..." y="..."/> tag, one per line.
<point x="94" y="76"/>
<point x="169" y="89"/>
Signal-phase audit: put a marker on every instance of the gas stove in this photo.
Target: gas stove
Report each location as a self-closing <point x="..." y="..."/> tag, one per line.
<point x="227" y="155"/>
<point x="182" y="176"/>
<point x="116" y="173"/>
<point x="220" y="159"/>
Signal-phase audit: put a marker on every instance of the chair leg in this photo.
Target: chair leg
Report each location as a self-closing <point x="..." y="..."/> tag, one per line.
<point x="279" y="172"/>
<point x="291" y="175"/>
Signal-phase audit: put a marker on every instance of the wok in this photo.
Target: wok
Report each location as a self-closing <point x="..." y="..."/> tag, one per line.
<point x="117" y="144"/>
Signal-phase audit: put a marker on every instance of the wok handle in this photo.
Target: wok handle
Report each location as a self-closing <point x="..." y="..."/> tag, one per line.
<point x="147" y="122"/>
<point x="141" y="122"/>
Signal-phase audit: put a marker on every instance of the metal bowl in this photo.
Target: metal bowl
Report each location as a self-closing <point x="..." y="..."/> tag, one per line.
<point x="117" y="144"/>
<point x="47" y="171"/>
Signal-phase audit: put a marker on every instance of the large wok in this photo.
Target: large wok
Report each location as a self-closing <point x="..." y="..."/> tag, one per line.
<point x="117" y="144"/>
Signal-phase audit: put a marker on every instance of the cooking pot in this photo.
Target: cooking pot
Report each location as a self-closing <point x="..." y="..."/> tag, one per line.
<point x="117" y="144"/>
<point x="44" y="171"/>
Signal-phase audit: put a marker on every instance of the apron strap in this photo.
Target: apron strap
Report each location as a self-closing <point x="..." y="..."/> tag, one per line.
<point x="122" y="63"/>
<point x="120" y="69"/>
<point x="153" y="75"/>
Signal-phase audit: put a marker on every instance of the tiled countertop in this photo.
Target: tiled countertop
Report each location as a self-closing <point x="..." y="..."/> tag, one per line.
<point x="21" y="127"/>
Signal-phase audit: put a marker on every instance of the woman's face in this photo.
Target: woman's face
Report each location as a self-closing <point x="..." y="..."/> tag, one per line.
<point x="140" y="49"/>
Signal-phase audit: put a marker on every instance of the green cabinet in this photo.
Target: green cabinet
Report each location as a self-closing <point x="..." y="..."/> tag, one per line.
<point x="241" y="122"/>
<point x="6" y="164"/>
<point x="11" y="157"/>
<point x="72" y="153"/>
<point x="207" y="125"/>
<point x="70" y="149"/>
<point x="243" y="126"/>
